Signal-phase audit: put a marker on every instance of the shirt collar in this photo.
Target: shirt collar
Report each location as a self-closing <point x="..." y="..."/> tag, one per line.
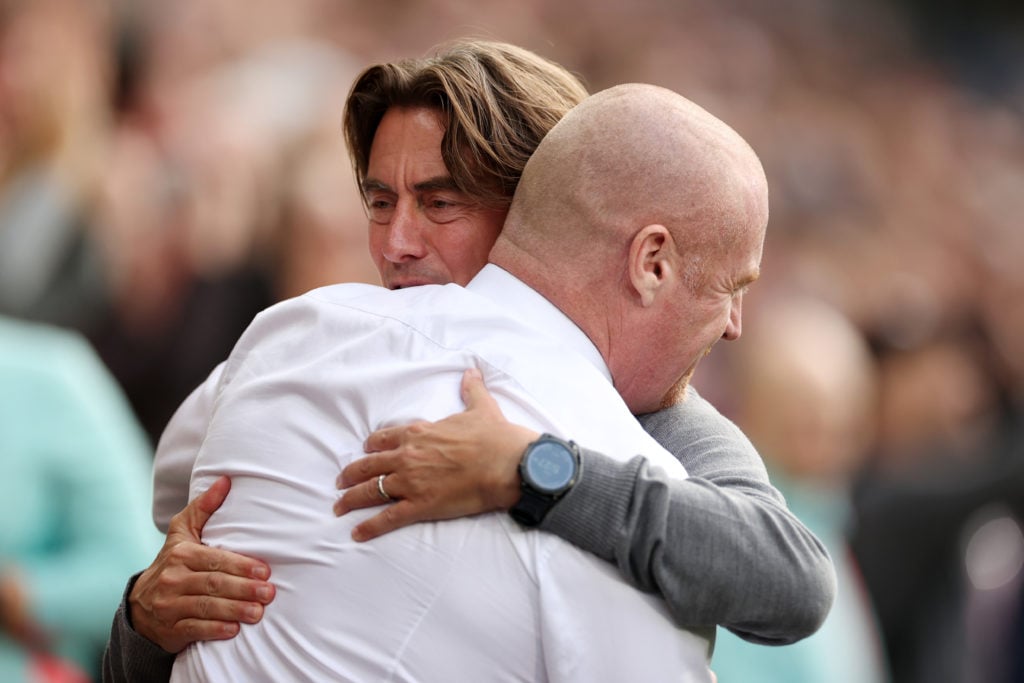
<point x="522" y="302"/>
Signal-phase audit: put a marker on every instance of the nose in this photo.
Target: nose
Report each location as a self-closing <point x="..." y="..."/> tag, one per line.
<point x="404" y="236"/>
<point x="734" y="328"/>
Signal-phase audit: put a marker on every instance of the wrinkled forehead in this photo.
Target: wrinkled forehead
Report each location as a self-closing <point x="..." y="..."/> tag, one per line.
<point x="407" y="143"/>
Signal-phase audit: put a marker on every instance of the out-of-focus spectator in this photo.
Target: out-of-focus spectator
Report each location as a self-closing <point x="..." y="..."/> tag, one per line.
<point x="805" y="383"/>
<point x="53" y="106"/>
<point x="322" y="238"/>
<point x="207" y="218"/>
<point x="74" y="500"/>
<point x="945" y="466"/>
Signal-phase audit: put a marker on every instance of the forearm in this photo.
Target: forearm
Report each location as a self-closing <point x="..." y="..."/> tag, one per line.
<point x="131" y="658"/>
<point x="594" y="514"/>
<point x="720" y="547"/>
<point x="718" y="555"/>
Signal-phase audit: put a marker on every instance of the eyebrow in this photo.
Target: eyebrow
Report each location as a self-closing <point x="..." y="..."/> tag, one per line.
<point x="441" y="182"/>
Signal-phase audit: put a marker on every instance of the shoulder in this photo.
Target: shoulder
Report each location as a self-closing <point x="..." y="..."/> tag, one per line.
<point x="47" y="357"/>
<point x="34" y="344"/>
<point x="352" y="323"/>
<point x="694" y="414"/>
<point x="703" y="438"/>
<point x="52" y="371"/>
<point x="412" y="306"/>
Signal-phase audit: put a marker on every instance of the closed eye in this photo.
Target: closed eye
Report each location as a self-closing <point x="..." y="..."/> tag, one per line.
<point x="742" y="286"/>
<point x="442" y="208"/>
<point x="380" y="208"/>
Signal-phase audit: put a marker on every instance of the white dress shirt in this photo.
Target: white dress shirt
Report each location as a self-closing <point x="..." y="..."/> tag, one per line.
<point x="474" y="599"/>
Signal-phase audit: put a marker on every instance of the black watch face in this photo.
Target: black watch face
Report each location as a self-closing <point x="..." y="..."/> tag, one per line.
<point x="550" y="466"/>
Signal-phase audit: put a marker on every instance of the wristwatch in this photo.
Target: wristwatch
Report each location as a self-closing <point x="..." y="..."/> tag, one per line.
<point x="549" y="468"/>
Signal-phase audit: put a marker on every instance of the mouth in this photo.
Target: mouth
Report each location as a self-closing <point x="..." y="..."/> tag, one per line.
<point x="405" y="284"/>
<point x="403" y="276"/>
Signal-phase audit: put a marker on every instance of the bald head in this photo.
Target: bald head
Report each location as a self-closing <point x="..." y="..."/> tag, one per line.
<point x="634" y="193"/>
<point x="635" y="155"/>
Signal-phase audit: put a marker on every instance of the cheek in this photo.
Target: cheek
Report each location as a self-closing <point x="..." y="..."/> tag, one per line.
<point x="711" y="324"/>
<point x="465" y="251"/>
<point x="375" y="240"/>
<point x="697" y="334"/>
<point x="463" y="261"/>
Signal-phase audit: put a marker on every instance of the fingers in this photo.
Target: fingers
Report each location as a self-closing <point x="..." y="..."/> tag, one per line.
<point x="209" y="607"/>
<point x="390" y="438"/>
<point x="475" y="394"/>
<point x="401" y="514"/>
<point x="192" y="630"/>
<point x="365" y="469"/>
<point x="190" y="587"/>
<point x="194" y="611"/>
<point x="193" y="518"/>
<point x="197" y="570"/>
<point x="396" y="515"/>
<point x="365" y="495"/>
<point x="201" y="558"/>
<point x="385" y="439"/>
<point x="223" y="621"/>
<point x="212" y="498"/>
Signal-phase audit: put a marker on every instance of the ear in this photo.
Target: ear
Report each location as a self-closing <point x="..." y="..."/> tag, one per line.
<point x="651" y="263"/>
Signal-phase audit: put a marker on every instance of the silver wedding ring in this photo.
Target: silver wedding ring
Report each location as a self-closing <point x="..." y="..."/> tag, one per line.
<point x="380" y="489"/>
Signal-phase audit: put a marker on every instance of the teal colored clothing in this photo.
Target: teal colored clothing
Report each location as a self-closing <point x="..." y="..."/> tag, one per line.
<point x="74" y="490"/>
<point x="847" y="648"/>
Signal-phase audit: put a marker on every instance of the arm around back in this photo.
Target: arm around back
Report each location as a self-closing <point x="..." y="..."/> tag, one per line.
<point x="720" y="546"/>
<point x="131" y="658"/>
<point x="190" y="592"/>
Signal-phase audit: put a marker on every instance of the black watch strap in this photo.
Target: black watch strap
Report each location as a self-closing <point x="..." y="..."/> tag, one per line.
<point x="531" y="508"/>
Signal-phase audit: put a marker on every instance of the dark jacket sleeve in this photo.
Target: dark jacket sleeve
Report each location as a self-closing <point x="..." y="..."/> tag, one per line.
<point x="130" y="657"/>
<point x="721" y="546"/>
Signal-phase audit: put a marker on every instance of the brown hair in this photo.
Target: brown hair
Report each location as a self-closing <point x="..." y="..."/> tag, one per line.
<point x="498" y="100"/>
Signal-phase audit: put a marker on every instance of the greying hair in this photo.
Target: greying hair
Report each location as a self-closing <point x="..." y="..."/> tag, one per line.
<point x="497" y="101"/>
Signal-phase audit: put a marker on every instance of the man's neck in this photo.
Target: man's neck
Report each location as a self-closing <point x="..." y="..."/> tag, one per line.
<point x="521" y="300"/>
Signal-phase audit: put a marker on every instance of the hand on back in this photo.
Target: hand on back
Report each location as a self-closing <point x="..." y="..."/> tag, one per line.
<point x="193" y="592"/>
<point x="462" y="465"/>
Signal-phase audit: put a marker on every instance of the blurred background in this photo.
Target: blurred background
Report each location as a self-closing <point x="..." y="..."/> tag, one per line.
<point x="168" y="169"/>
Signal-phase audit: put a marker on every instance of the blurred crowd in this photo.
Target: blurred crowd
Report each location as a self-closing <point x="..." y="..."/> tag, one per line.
<point x="168" y="169"/>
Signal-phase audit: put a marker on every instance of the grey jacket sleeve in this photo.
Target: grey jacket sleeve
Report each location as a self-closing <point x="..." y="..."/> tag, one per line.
<point x="720" y="546"/>
<point x="130" y="657"/>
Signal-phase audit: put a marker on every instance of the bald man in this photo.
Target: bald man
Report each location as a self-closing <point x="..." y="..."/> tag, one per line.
<point x="637" y="223"/>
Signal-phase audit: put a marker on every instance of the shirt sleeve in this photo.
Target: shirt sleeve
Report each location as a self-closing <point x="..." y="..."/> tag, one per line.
<point x="130" y="657"/>
<point x="720" y="546"/>
<point x="178" y="447"/>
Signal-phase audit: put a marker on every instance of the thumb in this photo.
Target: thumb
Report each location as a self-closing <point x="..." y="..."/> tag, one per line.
<point x="475" y="394"/>
<point x="199" y="511"/>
